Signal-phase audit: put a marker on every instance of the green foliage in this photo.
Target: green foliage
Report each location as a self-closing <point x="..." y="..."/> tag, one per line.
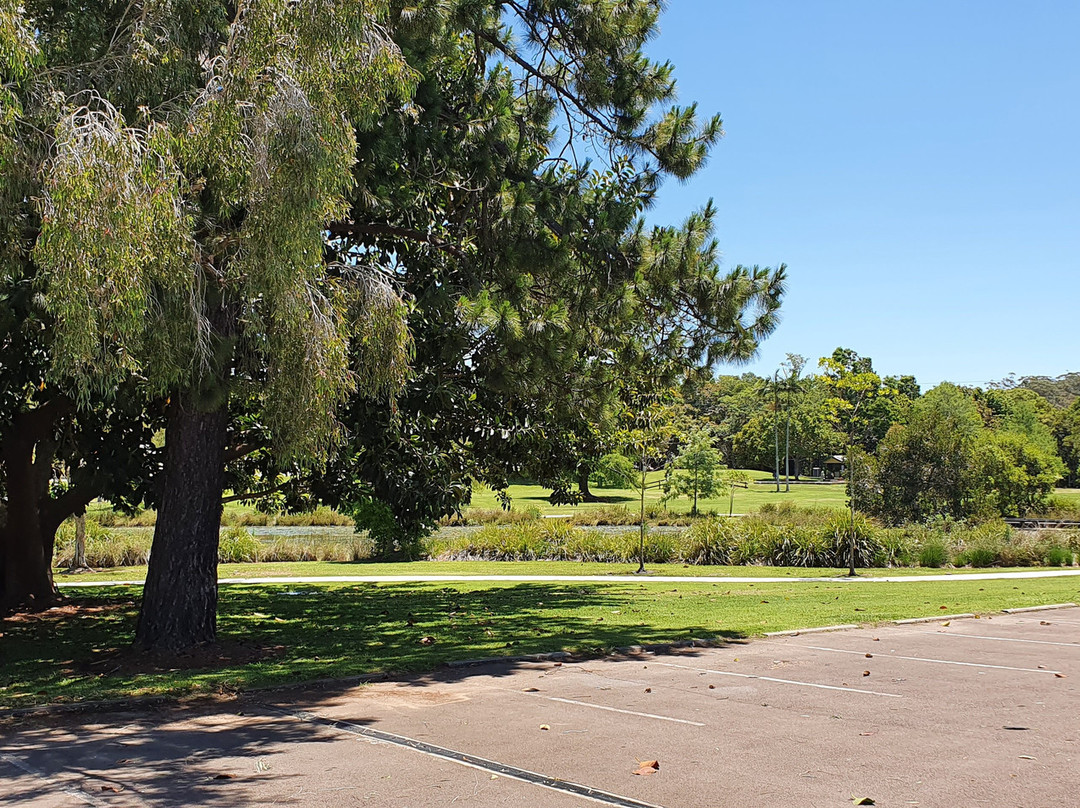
<point x="104" y="548"/>
<point x="696" y="471"/>
<point x="390" y="540"/>
<point x="614" y="470"/>
<point x="944" y="461"/>
<point x="933" y="553"/>
<point x="237" y="545"/>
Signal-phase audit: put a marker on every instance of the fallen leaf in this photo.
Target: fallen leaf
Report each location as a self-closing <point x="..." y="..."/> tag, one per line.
<point x="877" y="639"/>
<point x="647" y="767"/>
<point x="531" y="690"/>
<point x="648" y="690"/>
<point x="1059" y="675"/>
<point x="866" y="673"/>
<point x="946" y="622"/>
<point x="224" y="776"/>
<point x="862" y="801"/>
<point x="1027" y="757"/>
<point x="712" y="687"/>
<point x="544" y="727"/>
<point x="866" y="734"/>
<point x="1043" y="623"/>
<point x="869" y="656"/>
<point x="112" y="788"/>
<point x="943" y="607"/>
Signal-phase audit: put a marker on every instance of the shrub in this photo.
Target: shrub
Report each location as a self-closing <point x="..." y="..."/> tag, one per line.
<point x="933" y="553"/>
<point x="237" y="545"/>
<point x="104" y="548"/>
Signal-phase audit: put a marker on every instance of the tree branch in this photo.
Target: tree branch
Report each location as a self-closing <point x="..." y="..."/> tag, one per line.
<point x="343" y="229"/>
<point x="250" y="495"/>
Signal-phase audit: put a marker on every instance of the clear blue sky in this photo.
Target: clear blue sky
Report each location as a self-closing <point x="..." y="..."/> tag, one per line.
<point x="916" y="165"/>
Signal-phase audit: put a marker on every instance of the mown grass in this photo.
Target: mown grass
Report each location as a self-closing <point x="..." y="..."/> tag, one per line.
<point x="277" y="635"/>
<point x="525" y="498"/>
<point x="320" y="569"/>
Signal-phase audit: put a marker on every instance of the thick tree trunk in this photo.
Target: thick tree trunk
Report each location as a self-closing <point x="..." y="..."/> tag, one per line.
<point x="583" y="487"/>
<point x="179" y="607"/>
<point x="25" y="552"/>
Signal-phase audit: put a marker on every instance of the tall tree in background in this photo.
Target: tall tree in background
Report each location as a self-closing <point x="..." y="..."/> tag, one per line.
<point x="188" y="155"/>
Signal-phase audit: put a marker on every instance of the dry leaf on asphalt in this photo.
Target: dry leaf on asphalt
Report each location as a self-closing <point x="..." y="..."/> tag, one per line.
<point x="1059" y="675"/>
<point x="544" y="727"/>
<point x="111" y="787"/>
<point x="647" y="767"/>
<point x="862" y="801"/>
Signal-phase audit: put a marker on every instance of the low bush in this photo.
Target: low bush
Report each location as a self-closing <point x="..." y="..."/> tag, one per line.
<point x="237" y="545"/>
<point x="104" y="547"/>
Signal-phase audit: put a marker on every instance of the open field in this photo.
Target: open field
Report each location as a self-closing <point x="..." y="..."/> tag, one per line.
<point x="274" y="635"/>
<point x="524" y="497"/>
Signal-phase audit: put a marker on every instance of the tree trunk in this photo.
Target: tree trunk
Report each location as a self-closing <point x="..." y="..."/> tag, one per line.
<point x="583" y="487"/>
<point x="25" y="553"/>
<point x="179" y="607"/>
<point x="79" y="560"/>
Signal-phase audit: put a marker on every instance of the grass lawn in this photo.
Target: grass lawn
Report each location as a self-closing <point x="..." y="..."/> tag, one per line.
<point x="746" y="500"/>
<point x="1070" y="495"/>
<point x="283" y="569"/>
<point x="273" y="635"/>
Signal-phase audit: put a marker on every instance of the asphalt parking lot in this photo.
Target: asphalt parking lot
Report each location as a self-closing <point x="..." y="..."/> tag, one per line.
<point x="960" y="712"/>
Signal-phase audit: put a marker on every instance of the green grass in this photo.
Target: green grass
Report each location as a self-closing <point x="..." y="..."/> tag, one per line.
<point x="333" y="568"/>
<point x="275" y="635"/>
<point x="1070" y="495"/>
<point x="524" y="497"/>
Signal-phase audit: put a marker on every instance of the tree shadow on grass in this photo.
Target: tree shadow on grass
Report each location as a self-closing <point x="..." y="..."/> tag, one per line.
<point x="280" y="635"/>
<point x="599" y="499"/>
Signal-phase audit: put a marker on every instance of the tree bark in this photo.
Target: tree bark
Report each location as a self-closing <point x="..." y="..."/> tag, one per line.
<point x="26" y="538"/>
<point x="583" y="487"/>
<point x="179" y="607"/>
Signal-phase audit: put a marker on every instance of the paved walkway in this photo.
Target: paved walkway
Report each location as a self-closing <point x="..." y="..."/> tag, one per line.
<point x="613" y="579"/>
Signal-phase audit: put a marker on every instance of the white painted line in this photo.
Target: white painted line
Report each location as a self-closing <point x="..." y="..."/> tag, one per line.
<point x="1040" y="608"/>
<point x="1011" y="639"/>
<point x="71" y="791"/>
<point x="780" y="681"/>
<point x="927" y="659"/>
<point x="377" y="736"/>
<point x="933" y="619"/>
<point x="625" y="712"/>
<point x="613" y="579"/>
<point x="795" y="632"/>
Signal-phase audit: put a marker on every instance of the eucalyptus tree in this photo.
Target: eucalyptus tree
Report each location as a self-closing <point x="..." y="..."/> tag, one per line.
<point x="185" y="158"/>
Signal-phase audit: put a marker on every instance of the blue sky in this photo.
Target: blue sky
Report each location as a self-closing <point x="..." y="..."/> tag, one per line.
<point x="915" y="165"/>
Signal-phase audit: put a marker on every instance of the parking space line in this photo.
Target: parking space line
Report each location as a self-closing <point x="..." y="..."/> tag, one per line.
<point x="624" y="712"/>
<point x="470" y="761"/>
<point x="71" y="791"/>
<point x="1010" y="639"/>
<point x="928" y="659"/>
<point x="780" y="681"/>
